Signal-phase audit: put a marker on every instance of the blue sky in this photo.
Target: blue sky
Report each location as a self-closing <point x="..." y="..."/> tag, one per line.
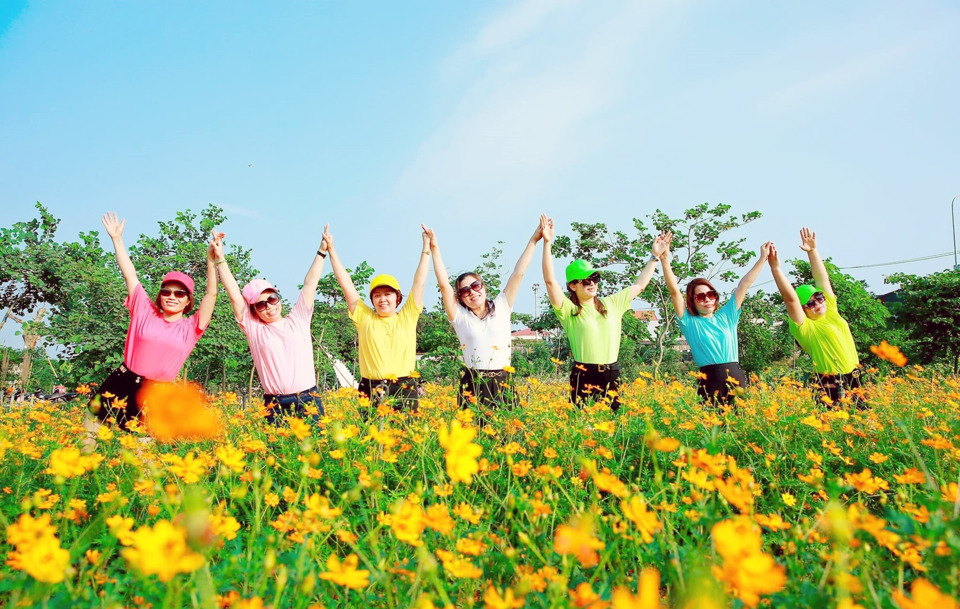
<point x="475" y="117"/>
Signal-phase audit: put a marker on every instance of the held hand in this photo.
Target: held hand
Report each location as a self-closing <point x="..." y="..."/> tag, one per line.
<point x="323" y="241"/>
<point x="660" y="245"/>
<point x="773" y="256"/>
<point x="429" y="237"/>
<point x="765" y="250"/>
<point x="808" y="239"/>
<point x="537" y="234"/>
<point x="668" y="240"/>
<point x="327" y="238"/>
<point x="546" y="228"/>
<point x="216" y="245"/>
<point x="113" y="225"/>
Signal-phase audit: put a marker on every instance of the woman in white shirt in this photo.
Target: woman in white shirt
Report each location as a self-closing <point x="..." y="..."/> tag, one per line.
<point x="482" y="324"/>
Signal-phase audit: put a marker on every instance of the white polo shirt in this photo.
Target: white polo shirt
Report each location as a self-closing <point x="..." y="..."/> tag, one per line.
<point x="485" y="342"/>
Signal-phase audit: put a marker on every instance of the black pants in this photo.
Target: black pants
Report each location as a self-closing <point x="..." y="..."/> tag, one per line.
<point x="715" y="388"/>
<point x="292" y="404"/>
<point x="117" y="397"/>
<point x="402" y="394"/>
<point x="485" y="388"/>
<point x="837" y="385"/>
<point x="594" y="382"/>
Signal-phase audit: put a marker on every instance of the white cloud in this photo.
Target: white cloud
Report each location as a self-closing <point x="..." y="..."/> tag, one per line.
<point x="533" y="83"/>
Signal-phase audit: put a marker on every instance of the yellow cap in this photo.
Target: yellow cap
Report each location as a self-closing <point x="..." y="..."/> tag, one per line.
<point x="384" y="280"/>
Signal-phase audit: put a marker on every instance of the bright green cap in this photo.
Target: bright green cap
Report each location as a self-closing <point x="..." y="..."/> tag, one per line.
<point x="579" y="269"/>
<point x="804" y="292"/>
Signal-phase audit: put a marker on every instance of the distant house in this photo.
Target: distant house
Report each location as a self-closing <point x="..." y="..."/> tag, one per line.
<point x="526" y="334"/>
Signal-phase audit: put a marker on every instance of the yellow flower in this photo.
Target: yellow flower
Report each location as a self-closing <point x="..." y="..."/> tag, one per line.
<point x="319" y="505"/>
<point x="68" y="462"/>
<point x="231" y="458"/>
<point x="224" y="526"/>
<point x="648" y="594"/>
<point x="162" y="551"/>
<point x="460" y="451"/>
<point x="746" y="569"/>
<point x="635" y="509"/>
<point x="788" y="499"/>
<point x="467" y="512"/>
<point x="458" y="567"/>
<point x="188" y="468"/>
<point x="493" y="600"/>
<point x="408" y="523"/>
<point x="299" y="428"/>
<point x="346" y="573"/>
<point x="438" y="519"/>
<point x="121" y="528"/>
<point x="38" y="550"/>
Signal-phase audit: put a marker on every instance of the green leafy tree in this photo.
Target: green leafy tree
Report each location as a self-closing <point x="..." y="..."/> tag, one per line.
<point x="331" y="326"/>
<point x="700" y="249"/>
<point x="928" y="312"/>
<point x="763" y="333"/>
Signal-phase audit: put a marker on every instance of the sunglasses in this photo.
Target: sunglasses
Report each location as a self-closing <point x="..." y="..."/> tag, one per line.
<point x="173" y="292"/>
<point x="592" y="279"/>
<point x="705" y="296"/>
<point x="261" y="305"/>
<point x="815" y="300"/>
<point x="476" y="286"/>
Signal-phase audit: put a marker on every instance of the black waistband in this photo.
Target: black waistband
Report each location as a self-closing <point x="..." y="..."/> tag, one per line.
<point x="398" y="380"/>
<point x="596" y="367"/>
<point x="276" y="396"/>
<point x="710" y="367"/>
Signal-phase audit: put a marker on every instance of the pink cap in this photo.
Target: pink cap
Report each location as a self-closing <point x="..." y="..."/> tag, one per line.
<point x="252" y="291"/>
<point x="179" y="278"/>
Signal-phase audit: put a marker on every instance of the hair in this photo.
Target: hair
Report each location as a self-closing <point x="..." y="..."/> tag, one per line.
<point x="253" y="308"/>
<point x="186" y="309"/>
<point x="399" y="293"/>
<point x="456" y="290"/>
<point x="576" y="301"/>
<point x="691" y="307"/>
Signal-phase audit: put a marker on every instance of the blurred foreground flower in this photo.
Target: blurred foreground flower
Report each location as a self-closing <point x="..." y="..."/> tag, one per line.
<point x="925" y="596"/>
<point x="162" y="551"/>
<point x="746" y="569"/>
<point x="460" y="451"/>
<point x="178" y="410"/>
<point x="889" y="353"/>
<point x="38" y="550"/>
<point x="577" y="539"/>
<point x="346" y="573"/>
<point x="68" y="462"/>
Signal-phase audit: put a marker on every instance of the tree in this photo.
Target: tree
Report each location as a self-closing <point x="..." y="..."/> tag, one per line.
<point x="331" y="326"/>
<point x="763" y="333"/>
<point x="928" y="312"/>
<point x="697" y="252"/>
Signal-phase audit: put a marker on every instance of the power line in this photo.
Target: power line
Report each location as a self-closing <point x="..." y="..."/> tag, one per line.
<point x="867" y="266"/>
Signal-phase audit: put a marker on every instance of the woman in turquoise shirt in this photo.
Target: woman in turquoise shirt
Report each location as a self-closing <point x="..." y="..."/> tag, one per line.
<point x="711" y="330"/>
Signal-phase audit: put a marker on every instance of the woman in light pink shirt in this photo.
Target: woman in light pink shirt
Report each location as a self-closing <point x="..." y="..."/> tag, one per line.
<point x="159" y="339"/>
<point x="282" y="347"/>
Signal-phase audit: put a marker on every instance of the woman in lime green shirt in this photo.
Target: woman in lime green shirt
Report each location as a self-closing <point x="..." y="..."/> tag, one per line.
<point x="592" y="323"/>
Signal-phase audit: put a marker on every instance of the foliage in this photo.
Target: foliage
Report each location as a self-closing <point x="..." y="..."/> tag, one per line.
<point x="780" y="503"/>
<point x="763" y="333"/>
<point x="928" y="310"/>
<point x="698" y="251"/>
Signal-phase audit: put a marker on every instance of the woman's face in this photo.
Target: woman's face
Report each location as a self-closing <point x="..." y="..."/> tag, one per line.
<point x="174" y="297"/>
<point x="472" y="291"/>
<point x="268" y="307"/>
<point x="586" y="289"/>
<point x="705" y="300"/>
<point x="384" y="300"/>
<point x="816" y="307"/>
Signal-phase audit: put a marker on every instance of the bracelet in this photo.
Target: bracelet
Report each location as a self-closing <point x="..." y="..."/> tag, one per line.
<point x="653" y="258"/>
<point x="427" y="252"/>
<point x="321" y="254"/>
<point x="224" y="261"/>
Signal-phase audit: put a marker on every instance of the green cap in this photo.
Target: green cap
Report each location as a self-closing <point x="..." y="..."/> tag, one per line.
<point x="579" y="269"/>
<point x="804" y="292"/>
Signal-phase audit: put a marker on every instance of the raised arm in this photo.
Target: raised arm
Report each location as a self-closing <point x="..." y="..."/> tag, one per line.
<point x="747" y="280"/>
<point x="114" y="228"/>
<point x="229" y="283"/>
<point x="659" y="247"/>
<point x="447" y="293"/>
<point x="423" y="267"/>
<point x="789" y="295"/>
<point x="808" y="243"/>
<point x="516" y="278"/>
<point x="209" y="300"/>
<point x="676" y="296"/>
<point x="315" y="272"/>
<point x="350" y="293"/>
<point x="554" y="289"/>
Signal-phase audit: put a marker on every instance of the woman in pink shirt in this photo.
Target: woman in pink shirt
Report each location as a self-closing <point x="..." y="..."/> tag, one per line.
<point x="160" y="337"/>
<point x="282" y="347"/>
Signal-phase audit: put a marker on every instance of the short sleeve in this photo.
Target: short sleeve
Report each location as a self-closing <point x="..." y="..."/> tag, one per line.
<point x="303" y="308"/>
<point x="831" y="303"/>
<point x="566" y="308"/>
<point x="619" y="302"/>
<point x="138" y="301"/>
<point x="360" y="312"/>
<point x="731" y="311"/>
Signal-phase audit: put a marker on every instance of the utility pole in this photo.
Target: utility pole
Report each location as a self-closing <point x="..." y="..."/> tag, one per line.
<point x="536" y="300"/>
<point x="953" y="224"/>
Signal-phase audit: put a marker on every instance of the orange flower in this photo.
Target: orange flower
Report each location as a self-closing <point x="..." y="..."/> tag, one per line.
<point x="577" y="539"/>
<point x="889" y="353"/>
<point x="925" y="595"/>
<point x="493" y="600"/>
<point x="178" y="410"/>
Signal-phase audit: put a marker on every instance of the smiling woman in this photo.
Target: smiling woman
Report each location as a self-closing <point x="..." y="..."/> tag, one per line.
<point x="282" y="347"/>
<point x="159" y="338"/>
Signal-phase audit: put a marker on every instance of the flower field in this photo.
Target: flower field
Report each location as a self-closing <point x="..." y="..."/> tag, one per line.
<point x="781" y="503"/>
